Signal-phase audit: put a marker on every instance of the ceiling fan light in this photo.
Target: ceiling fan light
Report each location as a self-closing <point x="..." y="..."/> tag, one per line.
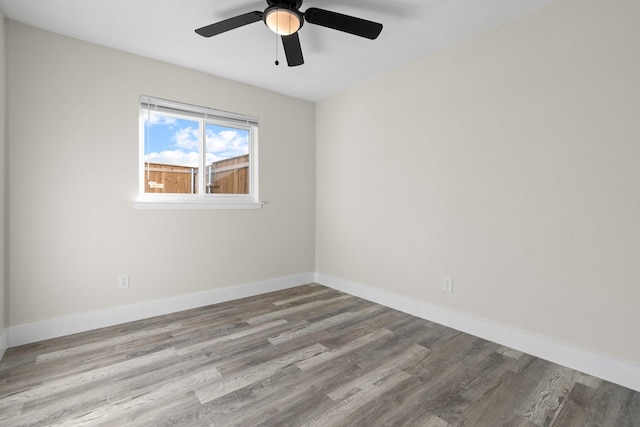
<point x="282" y="21"/>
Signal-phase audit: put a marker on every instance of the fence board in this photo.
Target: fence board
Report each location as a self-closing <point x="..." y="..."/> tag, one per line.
<point x="229" y="176"/>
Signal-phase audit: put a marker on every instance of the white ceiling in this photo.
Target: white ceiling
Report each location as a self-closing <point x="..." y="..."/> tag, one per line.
<point x="334" y="61"/>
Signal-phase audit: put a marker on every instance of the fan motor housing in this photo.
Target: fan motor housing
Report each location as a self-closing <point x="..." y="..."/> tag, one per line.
<point x="292" y="4"/>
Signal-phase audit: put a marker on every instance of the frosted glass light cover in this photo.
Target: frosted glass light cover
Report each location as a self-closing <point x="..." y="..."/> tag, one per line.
<point x="282" y="21"/>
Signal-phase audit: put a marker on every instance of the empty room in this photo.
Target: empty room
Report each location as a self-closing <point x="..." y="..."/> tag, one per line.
<point x="320" y="213"/>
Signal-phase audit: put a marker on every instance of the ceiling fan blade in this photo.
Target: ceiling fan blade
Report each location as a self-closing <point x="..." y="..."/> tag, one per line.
<point x="293" y="50"/>
<point x="348" y="24"/>
<point x="230" y="24"/>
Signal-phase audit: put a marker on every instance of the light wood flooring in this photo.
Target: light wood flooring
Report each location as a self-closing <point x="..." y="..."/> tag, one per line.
<point x="307" y="356"/>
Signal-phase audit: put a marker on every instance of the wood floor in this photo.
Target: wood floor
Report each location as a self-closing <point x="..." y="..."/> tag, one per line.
<point x="307" y="356"/>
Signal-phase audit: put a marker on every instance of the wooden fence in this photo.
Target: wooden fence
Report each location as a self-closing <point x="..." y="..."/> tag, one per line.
<point x="229" y="176"/>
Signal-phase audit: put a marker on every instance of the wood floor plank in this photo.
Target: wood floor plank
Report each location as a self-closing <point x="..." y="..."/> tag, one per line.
<point x="341" y="412"/>
<point x="547" y="397"/>
<point x="105" y="344"/>
<point x="309" y="355"/>
<point x="212" y="343"/>
<point x="328" y="356"/>
<point x="323" y="324"/>
<point x="255" y="373"/>
<point x="298" y="298"/>
<point x="282" y="313"/>
<point x="305" y="398"/>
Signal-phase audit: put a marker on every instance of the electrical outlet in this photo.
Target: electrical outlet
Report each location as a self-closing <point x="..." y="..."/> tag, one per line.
<point x="447" y="284"/>
<point x="123" y="281"/>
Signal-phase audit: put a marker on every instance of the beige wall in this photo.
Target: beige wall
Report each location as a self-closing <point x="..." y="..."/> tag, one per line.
<point x="510" y="162"/>
<point x="73" y="139"/>
<point x="3" y="225"/>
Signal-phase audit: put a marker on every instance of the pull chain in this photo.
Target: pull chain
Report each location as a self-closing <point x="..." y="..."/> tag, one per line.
<point x="277" y="62"/>
<point x="277" y="26"/>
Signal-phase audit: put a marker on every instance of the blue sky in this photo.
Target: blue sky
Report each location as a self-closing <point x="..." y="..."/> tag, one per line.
<point x="174" y="141"/>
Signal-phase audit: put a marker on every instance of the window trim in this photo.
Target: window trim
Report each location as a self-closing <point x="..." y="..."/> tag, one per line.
<point x="200" y="200"/>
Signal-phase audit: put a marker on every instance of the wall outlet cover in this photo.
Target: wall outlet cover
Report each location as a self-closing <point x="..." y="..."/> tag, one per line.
<point x="123" y="281"/>
<point x="447" y="284"/>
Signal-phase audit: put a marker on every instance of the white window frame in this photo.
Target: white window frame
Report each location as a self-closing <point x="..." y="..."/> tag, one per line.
<point x="202" y="200"/>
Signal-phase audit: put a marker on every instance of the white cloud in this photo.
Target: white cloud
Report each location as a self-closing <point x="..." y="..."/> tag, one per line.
<point x="186" y="138"/>
<point x="158" y="119"/>
<point x="179" y="158"/>
<point x="227" y="143"/>
<point x="175" y="157"/>
<point x="183" y="151"/>
<point x="212" y="158"/>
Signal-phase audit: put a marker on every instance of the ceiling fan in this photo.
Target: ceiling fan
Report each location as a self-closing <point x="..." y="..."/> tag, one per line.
<point x="284" y="17"/>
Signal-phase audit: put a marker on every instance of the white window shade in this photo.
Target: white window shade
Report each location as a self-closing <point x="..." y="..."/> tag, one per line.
<point x="173" y="107"/>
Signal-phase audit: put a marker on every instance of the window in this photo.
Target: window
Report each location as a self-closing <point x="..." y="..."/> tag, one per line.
<point x="196" y="157"/>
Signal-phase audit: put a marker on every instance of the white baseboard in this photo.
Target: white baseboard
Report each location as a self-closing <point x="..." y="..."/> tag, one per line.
<point x="67" y="325"/>
<point x="598" y="365"/>
<point x="4" y="342"/>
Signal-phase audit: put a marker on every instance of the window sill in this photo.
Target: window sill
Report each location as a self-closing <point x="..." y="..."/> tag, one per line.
<point x="194" y="204"/>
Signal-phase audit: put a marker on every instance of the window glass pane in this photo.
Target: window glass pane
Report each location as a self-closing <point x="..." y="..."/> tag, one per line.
<point x="171" y="154"/>
<point x="227" y="163"/>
